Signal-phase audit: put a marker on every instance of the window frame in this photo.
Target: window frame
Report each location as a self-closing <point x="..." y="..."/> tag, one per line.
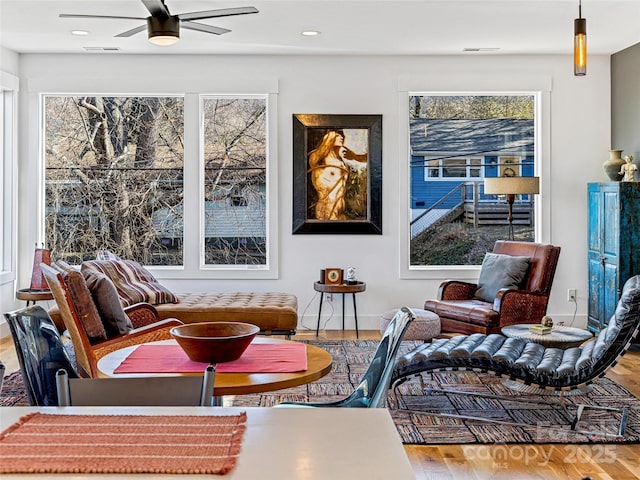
<point x="469" y="166"/>
<point x="225" y="270"/>
<point x="191" y="89"/>
<point x="42" y="161"/>
<point x="9" y="87"/>
<point x="492" y="84"/>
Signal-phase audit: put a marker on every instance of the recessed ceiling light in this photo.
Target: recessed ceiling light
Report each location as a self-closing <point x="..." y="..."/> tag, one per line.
<point x="480" y="49"/>
<point x="101" y="49"/>
<point x="310" y="33"/>
<point x="79" y="32"/>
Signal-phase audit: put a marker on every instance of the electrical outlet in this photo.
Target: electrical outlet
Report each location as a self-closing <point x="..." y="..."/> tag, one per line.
<point x="571" y="295"/>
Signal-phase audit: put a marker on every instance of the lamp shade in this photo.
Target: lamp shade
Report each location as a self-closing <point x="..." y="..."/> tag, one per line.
<point x="511" y="185"/>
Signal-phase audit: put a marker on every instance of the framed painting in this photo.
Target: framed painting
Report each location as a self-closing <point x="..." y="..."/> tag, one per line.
<point x="337" y="174"/>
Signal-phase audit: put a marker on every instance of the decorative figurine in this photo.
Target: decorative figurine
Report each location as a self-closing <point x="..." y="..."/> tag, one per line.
<point x="547" y="321"/>
<point x="628" y="169"/>
<point x="351" y="276"/>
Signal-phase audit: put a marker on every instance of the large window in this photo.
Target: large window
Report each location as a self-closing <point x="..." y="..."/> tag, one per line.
<point x="456" y="141"/>
<point x="235" y="178"/>
<point x="114" y="177"/>
<point x="122" y="174"/>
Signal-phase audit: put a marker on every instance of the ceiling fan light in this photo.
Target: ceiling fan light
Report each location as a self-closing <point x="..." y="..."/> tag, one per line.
<point x="163" y="40"/>
<point x="163" y="31"/>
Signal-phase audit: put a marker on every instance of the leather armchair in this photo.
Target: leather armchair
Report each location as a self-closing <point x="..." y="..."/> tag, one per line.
<point x="460" y="312"/>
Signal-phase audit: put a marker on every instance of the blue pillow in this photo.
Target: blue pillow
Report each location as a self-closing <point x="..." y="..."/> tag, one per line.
<point x="500" y="271"/>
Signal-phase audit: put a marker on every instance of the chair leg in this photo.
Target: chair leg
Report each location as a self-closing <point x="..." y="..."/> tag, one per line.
<point x="206" y="398"/>
<point x="559" y="405"/>
<point x="624" y="411"/>
<point x="62" y="388"/>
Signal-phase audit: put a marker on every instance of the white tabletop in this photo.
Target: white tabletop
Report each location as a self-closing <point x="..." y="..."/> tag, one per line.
<point x="281" y="443"/>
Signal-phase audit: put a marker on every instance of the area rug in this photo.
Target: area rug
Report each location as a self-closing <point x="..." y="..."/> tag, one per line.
<point x="351" y="359"/>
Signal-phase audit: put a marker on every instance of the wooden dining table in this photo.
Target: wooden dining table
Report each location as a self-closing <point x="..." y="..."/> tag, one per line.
<point x="278" y="443"/>
<point x="318" y="365"/>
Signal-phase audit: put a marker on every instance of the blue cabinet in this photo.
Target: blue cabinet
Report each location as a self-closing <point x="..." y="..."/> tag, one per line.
<point x="613" y="246"/>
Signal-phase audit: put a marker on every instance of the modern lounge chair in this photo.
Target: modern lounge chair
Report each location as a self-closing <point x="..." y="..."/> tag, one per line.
<point x="136" y="391"/>
<point x="79" y="312"/>
<point x="40" y="352"/>
<point x="373" y="388"/>
<point x="530" y="364"/>
<point x="464" y="308"/>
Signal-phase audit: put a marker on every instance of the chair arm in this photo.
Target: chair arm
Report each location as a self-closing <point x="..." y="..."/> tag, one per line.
<point x="142" y="314"/>
<point x="520" y="306"/>
<point x="149" y="333"/>
<point x="456" y="290"/>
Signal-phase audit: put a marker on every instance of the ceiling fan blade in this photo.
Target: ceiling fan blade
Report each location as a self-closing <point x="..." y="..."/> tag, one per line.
<point x="157" y="8"/>
<point x="201" y="27"/>
<point x="222" y="12"/>
<point x="133" y="31"/>
<point x="73" y="15"/>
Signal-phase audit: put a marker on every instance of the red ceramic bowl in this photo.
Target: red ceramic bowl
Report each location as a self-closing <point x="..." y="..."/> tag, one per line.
<point x="214" y="342"/>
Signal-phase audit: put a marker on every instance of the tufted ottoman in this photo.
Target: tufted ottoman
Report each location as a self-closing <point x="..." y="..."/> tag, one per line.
<point x="425" y="326"/>
<point x="273" y="312"/>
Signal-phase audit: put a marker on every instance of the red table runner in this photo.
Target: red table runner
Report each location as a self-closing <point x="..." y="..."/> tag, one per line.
<point x="180" y="444"/>
<point x="257" y="358"/>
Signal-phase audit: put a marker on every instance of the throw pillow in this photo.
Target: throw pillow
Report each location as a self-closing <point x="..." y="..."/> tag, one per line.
<point x="105" y="296"/>
<point x="500" y="271"/>
<point x="106" y="255"/>
<point x="62" y="266"/>
<point x="133" y="282"/>
<point x="83" y="303"/>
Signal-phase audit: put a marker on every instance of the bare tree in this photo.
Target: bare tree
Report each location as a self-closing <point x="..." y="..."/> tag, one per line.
<point x="102" y="189"/>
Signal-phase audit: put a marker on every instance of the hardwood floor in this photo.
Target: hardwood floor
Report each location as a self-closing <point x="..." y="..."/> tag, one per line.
<point x="497" y="462"/>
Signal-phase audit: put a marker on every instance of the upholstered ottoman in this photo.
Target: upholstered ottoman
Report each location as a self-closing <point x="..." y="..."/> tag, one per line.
<point x="425" y="326"/>
<point x="273" y="312"/>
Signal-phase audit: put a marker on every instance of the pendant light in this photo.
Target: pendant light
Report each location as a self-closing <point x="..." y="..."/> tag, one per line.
<point x="580" y="44"/>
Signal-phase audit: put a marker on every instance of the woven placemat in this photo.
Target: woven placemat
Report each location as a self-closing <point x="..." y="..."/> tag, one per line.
<point x="180" y="444"/>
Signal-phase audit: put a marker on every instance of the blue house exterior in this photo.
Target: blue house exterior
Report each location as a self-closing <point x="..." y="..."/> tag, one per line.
<point x="449" y="153"/>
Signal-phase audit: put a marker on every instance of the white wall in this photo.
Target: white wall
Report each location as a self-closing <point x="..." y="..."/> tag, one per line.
<point x="579" y="121"/>
<point x="9" y="64"/>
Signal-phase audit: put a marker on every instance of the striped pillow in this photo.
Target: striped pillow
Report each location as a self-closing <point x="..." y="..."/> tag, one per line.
<point x="106" y="255"/>
<point x="133" y="282"/>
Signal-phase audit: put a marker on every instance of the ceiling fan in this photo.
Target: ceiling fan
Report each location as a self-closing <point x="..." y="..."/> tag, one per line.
<point x="164" y="28"/>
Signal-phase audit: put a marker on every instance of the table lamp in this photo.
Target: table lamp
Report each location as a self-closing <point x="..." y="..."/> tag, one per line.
<point x="511" y="186"/>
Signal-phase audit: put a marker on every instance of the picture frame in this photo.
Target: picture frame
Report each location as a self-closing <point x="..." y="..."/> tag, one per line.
<point x="337" y="174"/>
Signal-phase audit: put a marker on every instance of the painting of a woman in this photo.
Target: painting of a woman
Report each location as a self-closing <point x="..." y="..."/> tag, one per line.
<point x="336" y="172"/>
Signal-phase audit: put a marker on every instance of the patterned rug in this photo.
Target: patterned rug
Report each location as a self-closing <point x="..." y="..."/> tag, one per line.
<point x="351" y="359"/>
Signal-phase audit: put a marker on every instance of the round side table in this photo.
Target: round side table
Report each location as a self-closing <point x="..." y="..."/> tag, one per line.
<point x="559" y="337"/>
<point x="343" y="288"/>
<point x="32" y="295"/>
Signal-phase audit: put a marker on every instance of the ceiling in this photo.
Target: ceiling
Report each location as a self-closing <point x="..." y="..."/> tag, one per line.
<point x="364" y="27"/>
